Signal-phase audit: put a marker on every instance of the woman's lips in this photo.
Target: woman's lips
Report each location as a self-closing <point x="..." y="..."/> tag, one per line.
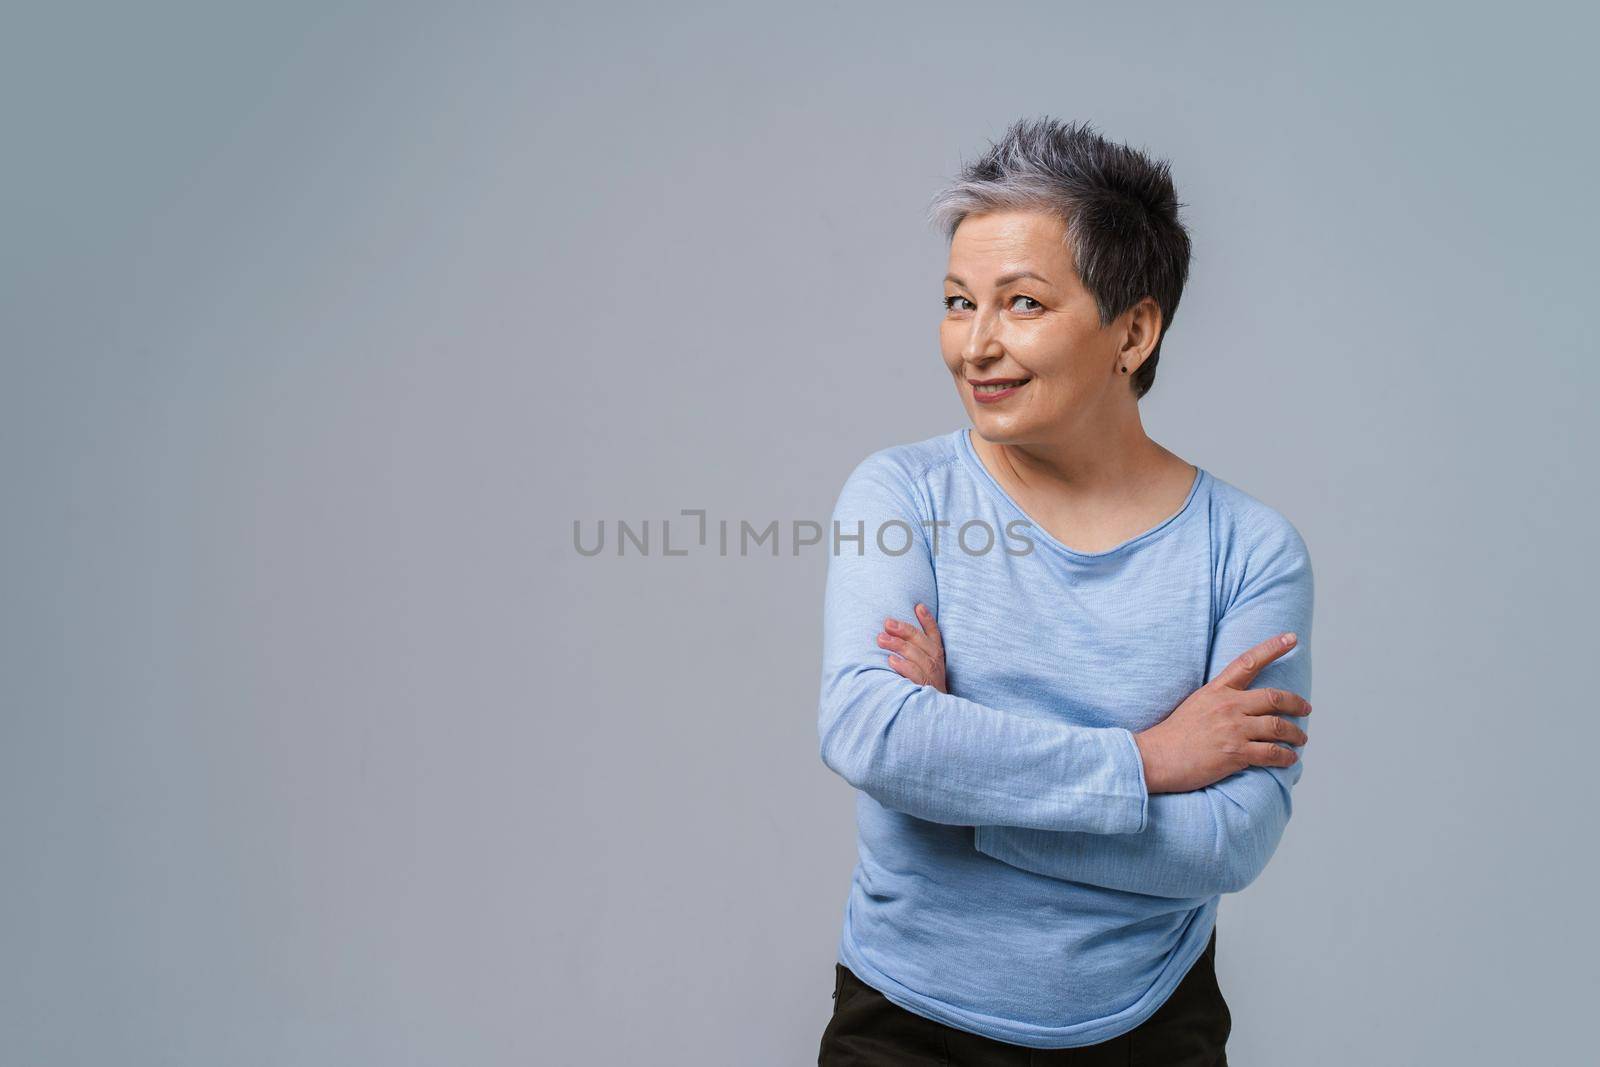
<point x="989" y="394"/>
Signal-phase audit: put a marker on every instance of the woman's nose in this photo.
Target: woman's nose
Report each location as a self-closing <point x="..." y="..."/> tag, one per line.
<point x="981" y="343"/>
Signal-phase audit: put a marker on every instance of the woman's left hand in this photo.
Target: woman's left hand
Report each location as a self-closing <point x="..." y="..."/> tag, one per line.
<point x="916" y="652"/>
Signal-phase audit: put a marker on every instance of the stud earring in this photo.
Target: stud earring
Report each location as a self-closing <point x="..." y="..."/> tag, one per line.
<point x="1124" y="369"/>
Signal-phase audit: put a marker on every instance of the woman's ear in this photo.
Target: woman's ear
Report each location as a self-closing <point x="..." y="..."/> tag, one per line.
<point x="1139" y="335"/>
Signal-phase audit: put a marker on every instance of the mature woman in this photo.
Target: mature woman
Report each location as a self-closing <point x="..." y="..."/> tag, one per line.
<point x="1066" y="669"/>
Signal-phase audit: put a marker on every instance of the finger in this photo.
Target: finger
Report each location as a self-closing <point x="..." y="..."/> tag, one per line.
<point x="901" y="628"/>
<point x="1243" y="670"/>
<point x="930" y="625"/>
<point x="929" y="644"/>
<point x="908" y="650"/>
<point x="905" y="670"/>
<point x="1273" y="728"/>
<point x="1272" y="701"/>
<point x="1267" y="754"/>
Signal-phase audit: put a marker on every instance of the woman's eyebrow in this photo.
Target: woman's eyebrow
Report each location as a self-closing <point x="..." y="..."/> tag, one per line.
<point x="1003" y="280"/>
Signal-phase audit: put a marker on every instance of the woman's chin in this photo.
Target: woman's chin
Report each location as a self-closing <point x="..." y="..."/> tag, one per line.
<point x="999" y="427"/>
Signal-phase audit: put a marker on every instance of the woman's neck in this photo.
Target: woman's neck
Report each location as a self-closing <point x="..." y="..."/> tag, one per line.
<point x="1097" y="492"/>
<point x="1093" y="462"/>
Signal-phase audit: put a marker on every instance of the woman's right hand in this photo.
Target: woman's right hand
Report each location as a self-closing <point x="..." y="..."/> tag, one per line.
<point x="1224" y="727"/>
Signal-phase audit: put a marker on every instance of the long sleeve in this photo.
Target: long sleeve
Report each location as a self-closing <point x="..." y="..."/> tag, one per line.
<point x="934" y="755"/>
<point x="1217" y="839"/>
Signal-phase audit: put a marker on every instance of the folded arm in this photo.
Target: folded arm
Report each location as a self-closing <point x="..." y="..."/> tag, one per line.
<point x="934" y="755"/>
<point x="1217" y="839"/>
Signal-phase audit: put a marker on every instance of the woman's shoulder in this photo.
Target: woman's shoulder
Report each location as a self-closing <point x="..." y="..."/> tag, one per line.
<point x="1246" y="528"/>
<point x="895" y="477"/>
<point x="910" y="462"/>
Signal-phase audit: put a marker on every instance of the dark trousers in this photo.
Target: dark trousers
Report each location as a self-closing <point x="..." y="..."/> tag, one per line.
<point x="868" y="1029"/>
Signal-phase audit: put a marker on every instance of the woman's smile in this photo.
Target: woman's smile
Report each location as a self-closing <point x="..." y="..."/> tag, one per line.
<point x="992" y="390"/>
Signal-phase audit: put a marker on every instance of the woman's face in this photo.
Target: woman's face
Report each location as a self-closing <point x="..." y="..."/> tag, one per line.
<point x="1016" y="310"/>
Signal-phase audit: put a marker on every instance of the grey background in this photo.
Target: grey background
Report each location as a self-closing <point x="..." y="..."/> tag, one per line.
<point x="323" y="323"/>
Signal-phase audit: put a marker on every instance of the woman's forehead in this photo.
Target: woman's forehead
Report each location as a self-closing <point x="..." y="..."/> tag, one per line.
<point x="1005" y="243"/>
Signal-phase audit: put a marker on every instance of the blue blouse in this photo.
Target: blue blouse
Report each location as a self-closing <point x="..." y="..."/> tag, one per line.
<point x="1015" y="878"/>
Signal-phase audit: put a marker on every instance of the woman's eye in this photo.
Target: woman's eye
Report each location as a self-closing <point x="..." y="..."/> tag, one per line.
<point x="1036" y="305"/>
<point x="951" y="303"/>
